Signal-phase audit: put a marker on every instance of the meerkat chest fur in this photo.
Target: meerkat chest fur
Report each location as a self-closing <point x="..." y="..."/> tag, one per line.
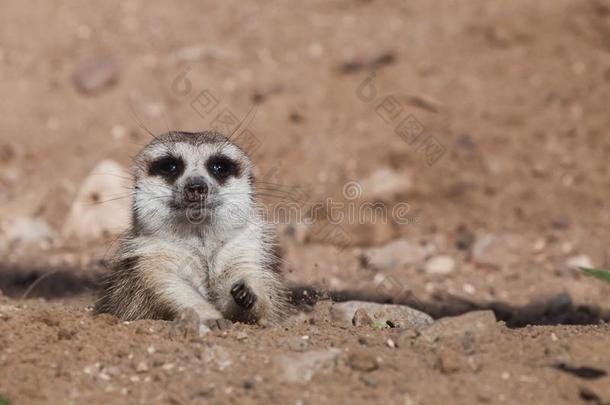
<point x="220" y="252"/>
<point x="198" y="240"/>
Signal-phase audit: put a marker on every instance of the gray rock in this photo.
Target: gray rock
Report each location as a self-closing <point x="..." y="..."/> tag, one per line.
<point x="102" y="206"/>
<point x="440" y="265"/>
<point x="300" y="368"/>
<point x="396" y="315"/>
<point x="394" y="254"/>
<point x="475" y="323"/>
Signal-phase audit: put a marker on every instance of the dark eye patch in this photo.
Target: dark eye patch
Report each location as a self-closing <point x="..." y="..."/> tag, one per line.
<point x="168" y="167"/>
<point x="222" y="167"/>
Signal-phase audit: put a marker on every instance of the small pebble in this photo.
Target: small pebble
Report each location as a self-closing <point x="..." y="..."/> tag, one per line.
<point x="440" y="265"/>
<point x="141" y="367"/>
<point x="539" y="245"/>
<point x="113" y="371"/>
<point x="576" y="262"/>
<point x="104" y="376"/>
<point x="469" y="289"/>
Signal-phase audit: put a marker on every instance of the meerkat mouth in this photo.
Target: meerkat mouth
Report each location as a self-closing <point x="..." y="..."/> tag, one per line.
<point x="203" y="205"/>
<point x="196" y="213"/>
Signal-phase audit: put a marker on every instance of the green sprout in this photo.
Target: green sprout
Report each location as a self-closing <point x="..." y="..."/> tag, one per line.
<point x="4" y="401"/>
<point x="603" y="275"/>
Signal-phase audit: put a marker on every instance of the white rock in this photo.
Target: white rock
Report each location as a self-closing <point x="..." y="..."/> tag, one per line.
<point x="385" y="183"/>
<point x="395" y="254"/>
<point x="27" y="231"/>
<point x="399" y="315"/>
<point x="469" y="289"/>
<point x="576" y="262"/>
<point x="475" y="323"/>
<point x="103" y="205"/>
<point x="300" y="368"/>
<point x="441" y="265"/>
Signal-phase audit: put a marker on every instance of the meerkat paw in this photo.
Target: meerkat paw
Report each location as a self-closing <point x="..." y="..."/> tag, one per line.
<point x="218" y="324"/>
<point x="243" y="295"/>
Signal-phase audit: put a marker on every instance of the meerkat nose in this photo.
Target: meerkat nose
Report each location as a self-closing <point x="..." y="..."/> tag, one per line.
<point x="195" y="190"/>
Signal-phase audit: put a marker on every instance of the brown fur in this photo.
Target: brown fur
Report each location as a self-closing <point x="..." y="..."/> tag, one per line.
<point x="127" y="295"/>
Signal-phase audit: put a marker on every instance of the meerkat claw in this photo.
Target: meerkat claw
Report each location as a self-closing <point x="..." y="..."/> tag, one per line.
<point x="218" y="324"/>
<point x="242" y="295"/>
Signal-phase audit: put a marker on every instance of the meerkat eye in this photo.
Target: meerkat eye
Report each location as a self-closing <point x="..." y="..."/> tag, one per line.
<point x="168" y="167"/>
<point x="222" y="167"/>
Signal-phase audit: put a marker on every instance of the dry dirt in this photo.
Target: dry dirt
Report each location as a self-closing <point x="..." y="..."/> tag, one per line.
<point x="515" y="93"/>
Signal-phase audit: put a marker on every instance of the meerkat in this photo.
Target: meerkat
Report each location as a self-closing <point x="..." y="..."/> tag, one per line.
<point x="198" y="240"/>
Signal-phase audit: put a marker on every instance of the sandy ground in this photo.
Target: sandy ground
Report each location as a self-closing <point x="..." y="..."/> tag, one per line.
<point x="480" y="128"/>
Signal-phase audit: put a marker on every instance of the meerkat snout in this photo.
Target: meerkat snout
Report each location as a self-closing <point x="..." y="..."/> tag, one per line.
<point x="195" y="190"/>
<point x="187" y="248"/>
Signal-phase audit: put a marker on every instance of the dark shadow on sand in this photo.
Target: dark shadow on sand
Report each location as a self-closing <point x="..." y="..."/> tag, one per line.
<point x="60" y="283"/>
<point x="553" y="310"/>
<point x="15" y="281"/>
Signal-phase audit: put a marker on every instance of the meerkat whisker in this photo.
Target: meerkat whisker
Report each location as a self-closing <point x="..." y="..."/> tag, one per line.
<point x="134" y="116"/>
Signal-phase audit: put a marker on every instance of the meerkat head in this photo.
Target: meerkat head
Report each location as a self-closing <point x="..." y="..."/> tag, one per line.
<point x="191" y="180"/>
